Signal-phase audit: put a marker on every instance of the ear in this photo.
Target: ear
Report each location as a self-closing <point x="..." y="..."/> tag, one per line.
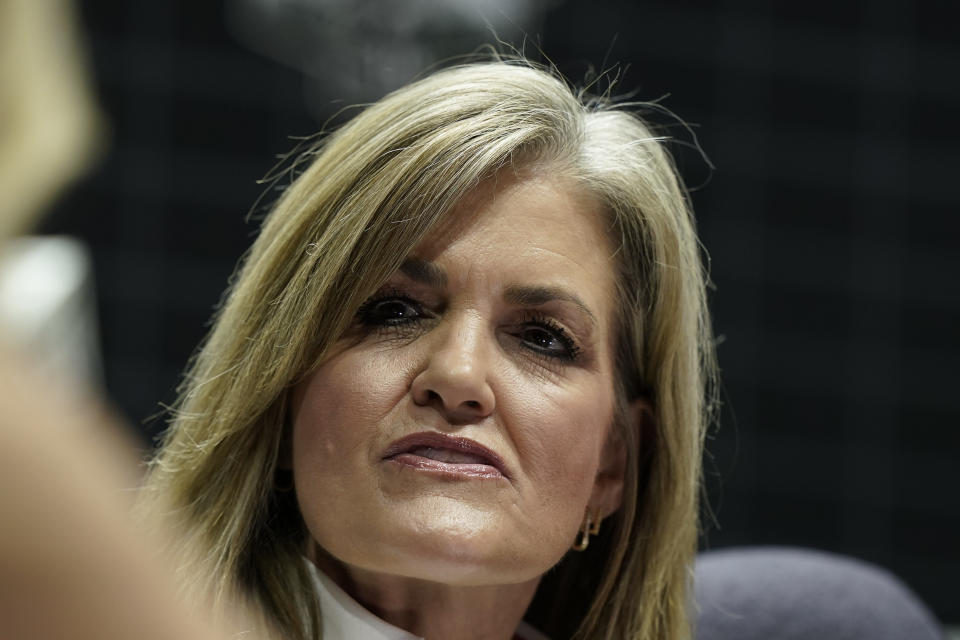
<point x="607" y="492"/>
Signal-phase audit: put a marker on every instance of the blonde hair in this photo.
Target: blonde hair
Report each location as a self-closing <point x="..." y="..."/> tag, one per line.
<point x="371" y="192"/>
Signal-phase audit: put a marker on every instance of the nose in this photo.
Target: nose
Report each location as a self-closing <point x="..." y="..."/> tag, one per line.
<point x="454" y="378"/>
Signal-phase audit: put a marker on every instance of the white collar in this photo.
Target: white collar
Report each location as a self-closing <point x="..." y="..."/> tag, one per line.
<point x="346" y="619"/>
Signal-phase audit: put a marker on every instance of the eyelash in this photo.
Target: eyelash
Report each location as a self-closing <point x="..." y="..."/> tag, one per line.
<point x="367" y="317"/>
<point x="570" y="349"/>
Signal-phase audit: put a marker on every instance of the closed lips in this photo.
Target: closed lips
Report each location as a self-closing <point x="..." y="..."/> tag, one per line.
<point x="448" y="455"/>
<point x="445" y="449"/>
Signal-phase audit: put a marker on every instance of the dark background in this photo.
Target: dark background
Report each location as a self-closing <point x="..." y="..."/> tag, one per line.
<point x="830" y="219"/>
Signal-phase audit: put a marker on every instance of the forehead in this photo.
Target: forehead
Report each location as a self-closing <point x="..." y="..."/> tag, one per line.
<point x="530" y="230"/>
<point x="518" y="196"/>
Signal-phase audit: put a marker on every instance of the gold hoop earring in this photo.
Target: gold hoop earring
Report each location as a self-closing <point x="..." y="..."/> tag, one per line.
<point x="589" y="527"/>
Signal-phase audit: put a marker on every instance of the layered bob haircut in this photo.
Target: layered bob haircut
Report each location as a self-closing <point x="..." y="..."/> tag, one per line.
<point x="367" y="195"/>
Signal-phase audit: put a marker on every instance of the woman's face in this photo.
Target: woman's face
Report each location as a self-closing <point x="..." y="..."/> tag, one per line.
<point x="461" y="431"/>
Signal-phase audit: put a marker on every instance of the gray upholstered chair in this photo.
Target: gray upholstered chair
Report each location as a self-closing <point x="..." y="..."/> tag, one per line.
<point x="795" y="594"/>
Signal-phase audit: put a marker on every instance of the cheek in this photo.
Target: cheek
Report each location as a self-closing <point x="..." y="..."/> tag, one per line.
<point x="335" y="415"/>
<point x="345" y="398"/>
<point x="560" y="435"/>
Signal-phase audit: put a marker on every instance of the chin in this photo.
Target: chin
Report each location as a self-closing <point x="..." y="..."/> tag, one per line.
<point x="453" y="551"/>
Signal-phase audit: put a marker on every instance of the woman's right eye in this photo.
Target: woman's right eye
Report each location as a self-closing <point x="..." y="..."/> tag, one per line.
<point x="390" y="311"/>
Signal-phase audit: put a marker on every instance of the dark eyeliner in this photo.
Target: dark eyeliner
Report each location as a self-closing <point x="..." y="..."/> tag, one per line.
<point x="571" y="351"/>
<point x="367" y="313"/>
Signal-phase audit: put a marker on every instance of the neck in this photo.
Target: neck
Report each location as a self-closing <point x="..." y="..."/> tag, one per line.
<point x="434" y="610"/>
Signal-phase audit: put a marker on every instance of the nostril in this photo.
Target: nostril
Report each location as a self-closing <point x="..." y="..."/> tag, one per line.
<point x="473" y="404"/>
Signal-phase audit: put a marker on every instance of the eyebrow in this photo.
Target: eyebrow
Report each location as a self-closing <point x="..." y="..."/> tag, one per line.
<point x="432" y="275"/>
<point x="535" y="296"/>
<point x="424" y="272"/>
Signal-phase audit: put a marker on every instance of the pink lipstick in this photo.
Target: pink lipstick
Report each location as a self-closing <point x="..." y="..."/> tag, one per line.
<point x="438" y="452"/>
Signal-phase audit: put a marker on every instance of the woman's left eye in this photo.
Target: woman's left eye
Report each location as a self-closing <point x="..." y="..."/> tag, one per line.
<point x="390" y="311"/>
<point x="549" y="340"/>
